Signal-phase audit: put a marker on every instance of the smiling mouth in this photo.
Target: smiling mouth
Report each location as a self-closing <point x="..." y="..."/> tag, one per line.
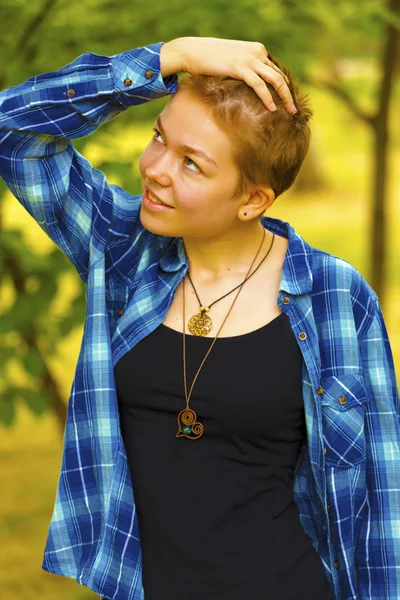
<point x="155" y="199"/>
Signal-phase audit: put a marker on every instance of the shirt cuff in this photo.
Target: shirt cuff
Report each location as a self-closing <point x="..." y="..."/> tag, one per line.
<point x="137" y="73"/>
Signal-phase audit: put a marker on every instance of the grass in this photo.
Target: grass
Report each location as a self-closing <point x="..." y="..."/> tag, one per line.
<point x="336" y="220"/>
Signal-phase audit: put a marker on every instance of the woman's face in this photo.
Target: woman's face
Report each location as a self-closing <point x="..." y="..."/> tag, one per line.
<point x="189" y="165"/>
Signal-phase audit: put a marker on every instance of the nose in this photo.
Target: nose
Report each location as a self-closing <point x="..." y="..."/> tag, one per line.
<point x="158" y="171"/>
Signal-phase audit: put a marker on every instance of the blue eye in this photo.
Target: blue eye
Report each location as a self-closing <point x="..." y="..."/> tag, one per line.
<point x="187" y="159"/>
<point x="197" y="168"/>
<point x="156" y="133"/>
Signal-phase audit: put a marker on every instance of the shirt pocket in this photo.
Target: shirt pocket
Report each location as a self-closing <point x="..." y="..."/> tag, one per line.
<point x="343" y="404"/>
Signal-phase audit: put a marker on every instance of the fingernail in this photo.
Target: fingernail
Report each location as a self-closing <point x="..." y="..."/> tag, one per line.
<point x="272" y="106"/>
<point x="293" y="109"/>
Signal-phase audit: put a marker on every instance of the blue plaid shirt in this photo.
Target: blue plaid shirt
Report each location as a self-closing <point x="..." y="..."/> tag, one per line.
<point x="347" y="480"/>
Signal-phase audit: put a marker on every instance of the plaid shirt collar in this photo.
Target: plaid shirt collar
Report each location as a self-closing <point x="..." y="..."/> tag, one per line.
<point x="297" y="276"/>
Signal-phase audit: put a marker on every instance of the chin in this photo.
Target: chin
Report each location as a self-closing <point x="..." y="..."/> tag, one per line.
<point x="154" y="224"/>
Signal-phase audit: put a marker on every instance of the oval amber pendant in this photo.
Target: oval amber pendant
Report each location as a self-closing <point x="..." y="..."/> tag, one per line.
<point x="200" y="324"/>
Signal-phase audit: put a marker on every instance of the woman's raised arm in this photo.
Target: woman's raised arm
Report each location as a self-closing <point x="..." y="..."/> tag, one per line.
<point x="70" y="200"/>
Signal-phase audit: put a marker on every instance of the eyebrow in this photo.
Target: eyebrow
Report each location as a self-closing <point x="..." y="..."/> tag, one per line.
<point x="188" y="149"/>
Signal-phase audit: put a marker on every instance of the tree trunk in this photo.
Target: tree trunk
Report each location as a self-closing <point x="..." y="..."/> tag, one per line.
<point x="381" y="142"/>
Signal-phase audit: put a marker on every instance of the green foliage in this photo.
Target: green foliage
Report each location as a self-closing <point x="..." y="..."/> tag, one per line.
<point x="34" y="41"/>
<point x="35" y="400"/>
<point x="25" y="331"/>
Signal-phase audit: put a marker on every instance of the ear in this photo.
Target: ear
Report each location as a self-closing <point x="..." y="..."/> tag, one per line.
<point x="256" y="202"/>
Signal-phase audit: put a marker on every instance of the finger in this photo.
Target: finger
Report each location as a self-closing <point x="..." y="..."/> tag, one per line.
<point x="259" y="51"/>
<point x="258" y="85"/>
<point x="264" y="51"/>
<point x="278" y="82"/>
<point x="256" y="48"/>
<point x="269" y="63"/>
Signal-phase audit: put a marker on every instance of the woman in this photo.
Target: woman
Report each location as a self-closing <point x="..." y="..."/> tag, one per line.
<point x="279" y="478"/>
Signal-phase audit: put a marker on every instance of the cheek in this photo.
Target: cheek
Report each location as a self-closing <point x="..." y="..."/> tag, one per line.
<point x="193" y="195"/>
<point x="188" y="201"/>
<point x="199" y="203"/>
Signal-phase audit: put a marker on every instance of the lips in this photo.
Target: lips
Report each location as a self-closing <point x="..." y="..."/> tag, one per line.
<point x="153" y="196"/>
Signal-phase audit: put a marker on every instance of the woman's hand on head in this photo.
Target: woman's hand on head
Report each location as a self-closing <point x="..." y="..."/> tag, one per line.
<point x="232" y="58"/>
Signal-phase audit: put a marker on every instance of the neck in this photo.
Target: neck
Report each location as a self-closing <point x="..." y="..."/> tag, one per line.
<point x="228" y="254"/>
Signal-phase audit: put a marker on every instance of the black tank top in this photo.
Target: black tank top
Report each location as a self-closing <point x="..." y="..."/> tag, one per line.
<point x="217" y="519"/>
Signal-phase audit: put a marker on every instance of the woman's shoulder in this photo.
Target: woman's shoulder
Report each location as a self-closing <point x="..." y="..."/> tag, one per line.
<point x="329" y="273"/>
<point x="335" y="273"/>
<point x="340" y="289"/>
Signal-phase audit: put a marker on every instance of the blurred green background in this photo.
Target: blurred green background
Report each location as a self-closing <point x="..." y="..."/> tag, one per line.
<point x="346" y="53"/>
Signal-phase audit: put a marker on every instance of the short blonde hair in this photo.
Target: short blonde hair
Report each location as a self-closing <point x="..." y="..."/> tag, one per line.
<point x="269" y="147"/>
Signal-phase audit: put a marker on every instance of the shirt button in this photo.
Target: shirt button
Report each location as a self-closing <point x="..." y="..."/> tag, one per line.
<point x="320" y="390"/>
<point x="328" y="507"/>
<point x="70" y="93"/>
<point x="285" y="300"/>
<point x="342" y="400"/>
<point x="127" y="82"/>
<point x="149" y="74"/>
<point x="302" y="336"/>
<point x="335" y="564"/>
<point x="325" y="450"/>
<point x="120" y="312"/>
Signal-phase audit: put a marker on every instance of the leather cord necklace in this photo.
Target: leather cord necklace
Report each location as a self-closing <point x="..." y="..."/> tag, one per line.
<point x="200" y="324"/>
<point x="188" y="426"/>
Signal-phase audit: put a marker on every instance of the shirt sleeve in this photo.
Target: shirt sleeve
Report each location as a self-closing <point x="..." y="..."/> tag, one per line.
<point x="70" y="200"/>
<point x="378" y="547"/>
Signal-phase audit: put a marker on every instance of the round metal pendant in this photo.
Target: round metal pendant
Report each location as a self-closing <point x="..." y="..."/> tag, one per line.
<point x="200" y="324"/>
